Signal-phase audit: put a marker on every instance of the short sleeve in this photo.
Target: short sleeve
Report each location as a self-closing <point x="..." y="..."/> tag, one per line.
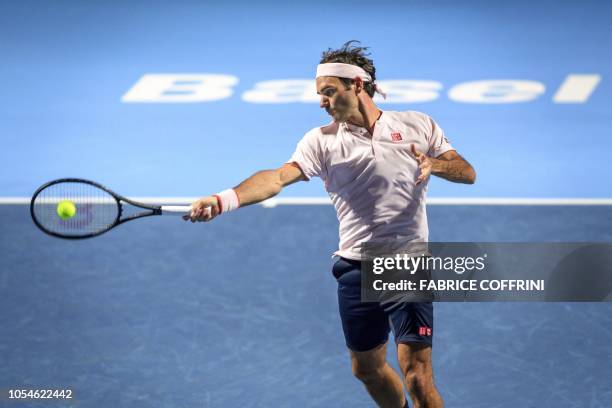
<point x="308" y="154"/>
<point x="438" y="143"/>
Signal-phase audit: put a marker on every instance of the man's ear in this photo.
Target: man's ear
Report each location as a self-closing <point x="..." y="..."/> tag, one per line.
<point x="358" y="85"/>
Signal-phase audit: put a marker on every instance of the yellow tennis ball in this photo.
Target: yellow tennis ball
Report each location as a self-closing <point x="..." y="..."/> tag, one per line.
<point x="66" y="209"/>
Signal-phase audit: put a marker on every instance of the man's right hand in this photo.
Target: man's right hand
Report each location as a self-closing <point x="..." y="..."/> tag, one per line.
<point x="204" y="209"/>
<point x="260" y="186"/>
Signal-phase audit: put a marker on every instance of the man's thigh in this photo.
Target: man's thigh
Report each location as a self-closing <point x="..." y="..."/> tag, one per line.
<point x="365" y="324"/>
<point x="371" y="361"/>
<point x="414" y="357"/>
<point x="412" y="322"/>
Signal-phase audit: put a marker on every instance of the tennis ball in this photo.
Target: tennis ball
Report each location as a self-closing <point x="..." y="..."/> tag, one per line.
<point x="66" y="209"/>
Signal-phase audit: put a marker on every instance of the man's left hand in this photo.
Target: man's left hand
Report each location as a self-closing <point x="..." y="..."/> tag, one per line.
<point x="425" y="164"/>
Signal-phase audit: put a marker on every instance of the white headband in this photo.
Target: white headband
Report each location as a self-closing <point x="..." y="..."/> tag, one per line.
<point x="337" y="69"/>
<point x="348" y="71"/>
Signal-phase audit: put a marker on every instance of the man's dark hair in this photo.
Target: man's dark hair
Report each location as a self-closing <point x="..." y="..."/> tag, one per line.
<point x="354" y="55"/>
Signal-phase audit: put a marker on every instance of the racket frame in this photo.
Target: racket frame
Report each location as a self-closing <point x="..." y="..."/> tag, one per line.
<point x="154" y="209"/>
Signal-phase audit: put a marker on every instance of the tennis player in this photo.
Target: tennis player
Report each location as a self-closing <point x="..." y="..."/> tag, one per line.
<point x="375" y="166"/>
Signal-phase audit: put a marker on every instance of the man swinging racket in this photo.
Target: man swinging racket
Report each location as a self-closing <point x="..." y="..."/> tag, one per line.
<point x="375" y="165"/>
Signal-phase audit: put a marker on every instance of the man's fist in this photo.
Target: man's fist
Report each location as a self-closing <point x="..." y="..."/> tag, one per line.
<point x="204" y="209"/>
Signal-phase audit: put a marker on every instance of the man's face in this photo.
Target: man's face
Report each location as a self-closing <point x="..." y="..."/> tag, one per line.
<point x="339" y="102"/>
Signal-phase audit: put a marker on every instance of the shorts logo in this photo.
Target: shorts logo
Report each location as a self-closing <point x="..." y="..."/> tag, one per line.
<point x="424" y="331"/>
<point x="396" y="136"/>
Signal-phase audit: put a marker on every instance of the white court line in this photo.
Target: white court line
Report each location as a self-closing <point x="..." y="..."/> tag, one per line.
<point x="273" y="202"/>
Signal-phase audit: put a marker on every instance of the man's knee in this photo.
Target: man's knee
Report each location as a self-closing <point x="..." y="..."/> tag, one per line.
<point x="415" y="362"/>
<point x="369" y="366"/>
<point x="368" y="374"/>
<point x="419" y="379"/>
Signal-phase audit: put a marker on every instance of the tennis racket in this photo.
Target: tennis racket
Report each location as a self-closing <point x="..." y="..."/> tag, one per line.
<point x="74" y="208"/>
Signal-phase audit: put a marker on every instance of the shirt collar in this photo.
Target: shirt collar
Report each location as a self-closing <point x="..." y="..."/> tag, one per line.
<point x="360" y="129"/>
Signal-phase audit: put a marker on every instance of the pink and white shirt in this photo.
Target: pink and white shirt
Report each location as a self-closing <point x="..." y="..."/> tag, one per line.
<point x="372" y="181"/>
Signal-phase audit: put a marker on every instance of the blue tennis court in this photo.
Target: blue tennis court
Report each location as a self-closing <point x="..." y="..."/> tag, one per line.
<point x="172" y="101"/>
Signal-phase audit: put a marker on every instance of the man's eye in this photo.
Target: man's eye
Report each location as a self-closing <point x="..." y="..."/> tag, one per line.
<point x="329" y="92"/>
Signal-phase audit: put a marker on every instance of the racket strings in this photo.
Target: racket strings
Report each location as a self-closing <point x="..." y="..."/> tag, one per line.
<point x="96" y="210"/>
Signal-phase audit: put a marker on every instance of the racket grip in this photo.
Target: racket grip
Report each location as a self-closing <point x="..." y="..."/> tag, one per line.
<point x="175" y="209"/>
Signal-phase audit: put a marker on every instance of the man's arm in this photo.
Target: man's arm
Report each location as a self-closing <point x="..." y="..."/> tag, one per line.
<point x="267" y="183"/>
<point x="452" y="167"/>
<point x="259" y="187"/>
<point x="449" y="165"/>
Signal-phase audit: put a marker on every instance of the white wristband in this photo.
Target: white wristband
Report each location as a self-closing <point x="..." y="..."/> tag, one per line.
<point x="228" y="200"/>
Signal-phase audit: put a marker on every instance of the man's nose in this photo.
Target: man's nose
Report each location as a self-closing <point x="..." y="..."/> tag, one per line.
<point x="324" y="102"/>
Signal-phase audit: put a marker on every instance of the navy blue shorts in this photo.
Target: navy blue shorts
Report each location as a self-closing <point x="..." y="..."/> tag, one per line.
<point x="366" y="324"/>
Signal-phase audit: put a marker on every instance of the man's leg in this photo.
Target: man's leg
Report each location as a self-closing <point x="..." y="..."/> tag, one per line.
<point x="413" y="327"/>
<point x="366" y="330"/>
<point x="415" y="362"/>
<point x="381" y="381"/>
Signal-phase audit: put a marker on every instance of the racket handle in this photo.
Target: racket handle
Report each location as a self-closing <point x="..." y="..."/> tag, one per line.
<point x="175" y="209"/>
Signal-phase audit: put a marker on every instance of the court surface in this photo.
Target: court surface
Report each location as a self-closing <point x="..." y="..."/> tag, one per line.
<point x="162" y="313"/>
